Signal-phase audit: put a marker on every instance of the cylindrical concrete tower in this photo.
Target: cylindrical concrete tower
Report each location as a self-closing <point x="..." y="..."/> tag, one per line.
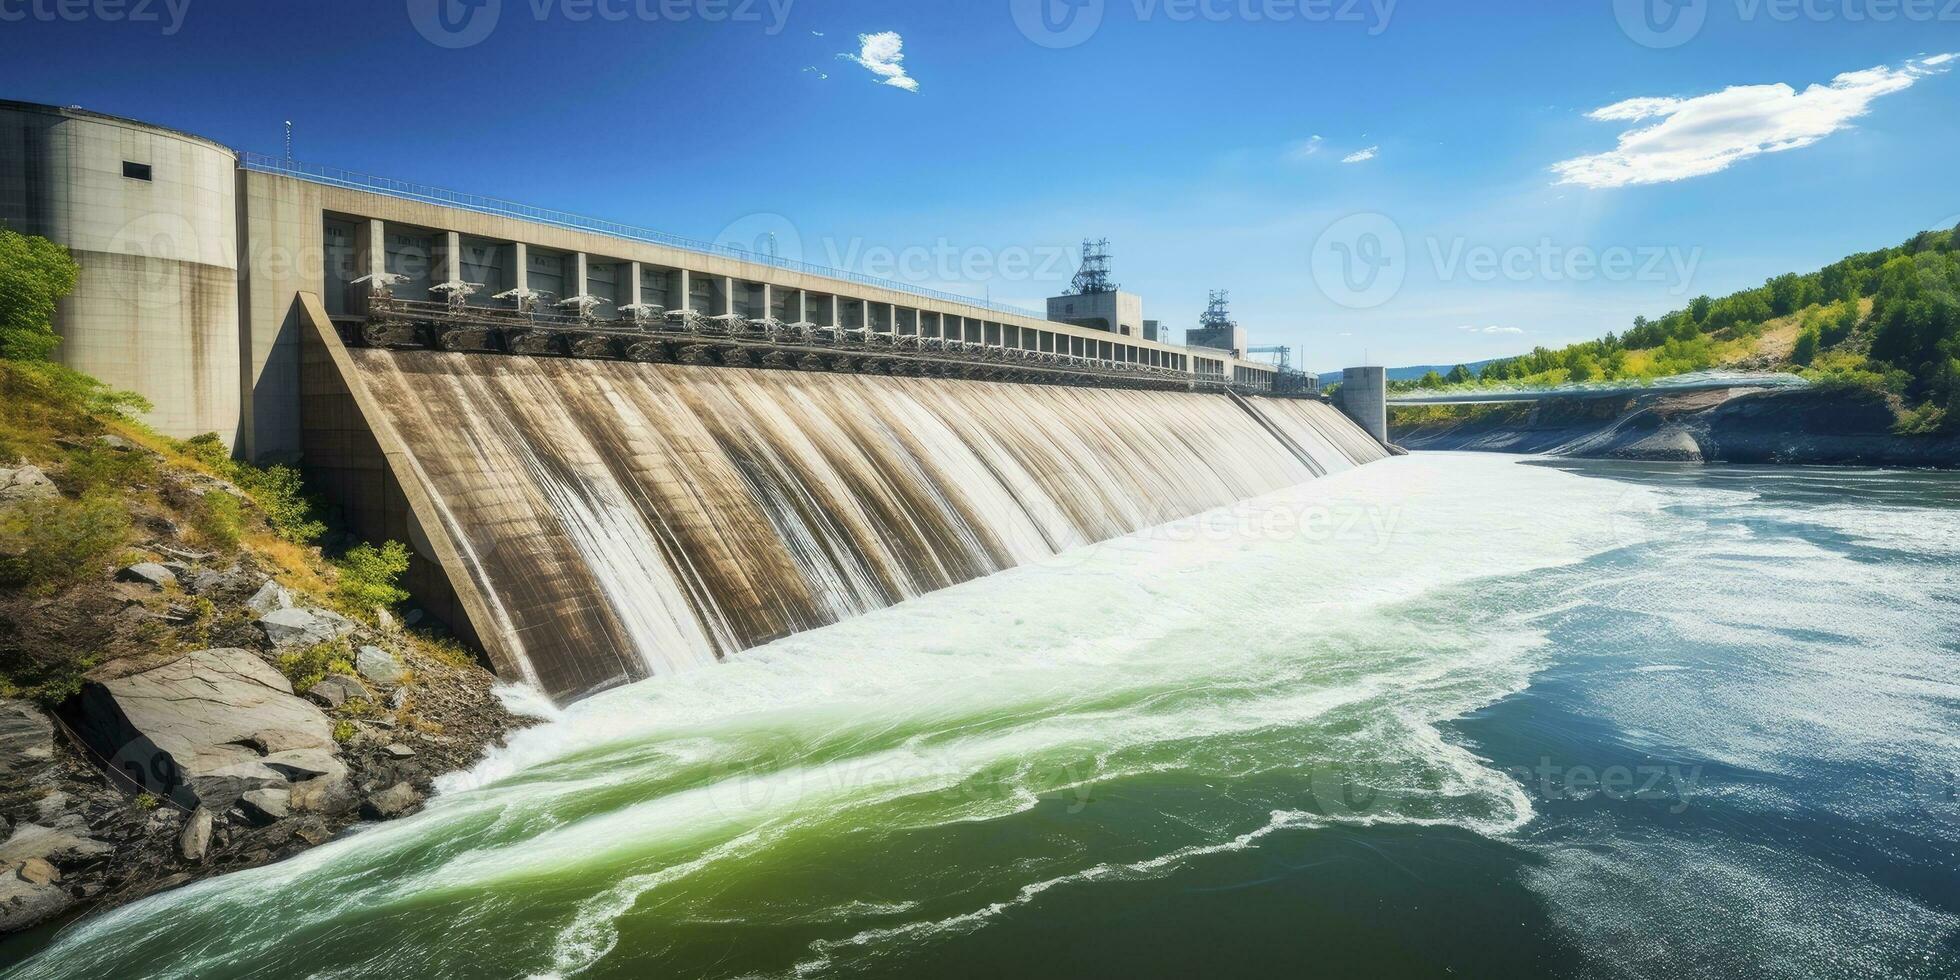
<point x="150" y="216"/>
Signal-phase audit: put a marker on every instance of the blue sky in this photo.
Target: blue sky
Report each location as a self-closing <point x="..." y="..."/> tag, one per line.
<point x="1485" y="209"/>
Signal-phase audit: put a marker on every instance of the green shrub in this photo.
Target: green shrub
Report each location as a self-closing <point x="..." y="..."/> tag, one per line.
<point x="310" y="666"/>
<point x="1925" y="420"/>
<point x="1848" y="377"/>
<point x="369" y="576"/>
<point x="281" y="494"/>
<point x="219" y="520"/>
<point x="204" y="614"/>
<point x="207" y="449"/>
<point x="277" y="491"/>
<point x="45" y="544"/>
<point x="1806" y="349"/>
<point x="34" y="272"/>
<point x="1843" y="320"/>
<point x="47" y="682"/>
<point x="99" y="467"/>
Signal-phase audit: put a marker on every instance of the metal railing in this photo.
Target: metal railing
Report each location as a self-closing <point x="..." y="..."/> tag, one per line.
<point x="384" y="308"/>
<point x="427" y="194"/>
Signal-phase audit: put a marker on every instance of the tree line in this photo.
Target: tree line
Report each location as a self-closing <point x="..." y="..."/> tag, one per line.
<point x="1907" y="344"/>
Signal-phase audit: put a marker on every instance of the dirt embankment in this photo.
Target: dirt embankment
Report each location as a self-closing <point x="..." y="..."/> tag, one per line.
<point x="1827" y="426"/>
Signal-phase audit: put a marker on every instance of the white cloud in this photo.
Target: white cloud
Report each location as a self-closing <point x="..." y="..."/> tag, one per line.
<point x="883" y="53"/>
<point x="821" y="74"/>
<point x="1706" y="134"/>
<point x="1302" y="149"/>
<point x="1360" y="156"/>
<point x="1492" y="330"/>
<point x="1633" y="109"/>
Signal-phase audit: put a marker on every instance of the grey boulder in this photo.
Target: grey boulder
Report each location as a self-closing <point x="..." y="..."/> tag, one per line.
<point x="55" y="845"/>
<point x="300" y="765"/>
<point x="186" y="728"/>
<point x="335" y="690"/>
<point x="194" y="841"/>
<point x="26" y="483"/>
<point x="273" y="741"/>
<point x="148" y="573"/>
<point x="212" y="580"/>
<point x="392" y="802"/>
<point x="284" y="628"/>
<point x="270" y="598"/>
<point x="377" y="666"/>
<point x="264" y="806"/>
<point x="328" y="795"/>
<point x="24" y="904"/>
<point x="26" y="739"/>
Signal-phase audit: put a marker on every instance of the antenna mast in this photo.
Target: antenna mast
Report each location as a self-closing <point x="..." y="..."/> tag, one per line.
<point x="1093" y="276"/>
<point x="1216" y="316"/>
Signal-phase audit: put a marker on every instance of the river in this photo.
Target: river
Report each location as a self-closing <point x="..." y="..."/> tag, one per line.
<point x="1442" y="714"/>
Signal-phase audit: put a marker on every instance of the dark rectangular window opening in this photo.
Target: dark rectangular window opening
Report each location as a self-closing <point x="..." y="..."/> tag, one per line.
<point x="140" y="171"/>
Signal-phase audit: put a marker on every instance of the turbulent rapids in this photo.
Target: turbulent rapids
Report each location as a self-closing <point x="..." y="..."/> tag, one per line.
<point x="624" y="520"/>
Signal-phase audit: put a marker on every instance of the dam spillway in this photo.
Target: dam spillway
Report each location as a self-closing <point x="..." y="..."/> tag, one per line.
<point x="605" y="521"/>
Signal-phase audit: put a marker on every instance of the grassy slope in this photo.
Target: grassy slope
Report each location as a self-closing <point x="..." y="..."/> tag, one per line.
<point x="129" y="495"/>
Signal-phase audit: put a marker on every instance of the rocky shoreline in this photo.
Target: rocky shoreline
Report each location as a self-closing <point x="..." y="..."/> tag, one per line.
<point x="1803" y="426"/>
<point x="186" y="750"/>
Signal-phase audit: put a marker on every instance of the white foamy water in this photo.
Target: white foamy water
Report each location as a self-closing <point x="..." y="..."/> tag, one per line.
<point x="614" y="521"/>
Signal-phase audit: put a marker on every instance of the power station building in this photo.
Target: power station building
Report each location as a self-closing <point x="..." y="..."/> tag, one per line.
<point x="1216" y="328"/>
<point x="192" y="256"/>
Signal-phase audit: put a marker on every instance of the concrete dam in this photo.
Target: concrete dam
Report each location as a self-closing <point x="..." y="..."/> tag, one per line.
<point x="597" y="522"/>
<point x="616" y="453"/>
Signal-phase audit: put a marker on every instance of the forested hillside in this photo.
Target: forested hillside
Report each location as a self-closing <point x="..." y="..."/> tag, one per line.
<point x="1888" y="320"/>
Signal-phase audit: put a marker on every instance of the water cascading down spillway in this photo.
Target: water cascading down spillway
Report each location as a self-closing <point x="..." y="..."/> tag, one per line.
<point x="606" y="521"/>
